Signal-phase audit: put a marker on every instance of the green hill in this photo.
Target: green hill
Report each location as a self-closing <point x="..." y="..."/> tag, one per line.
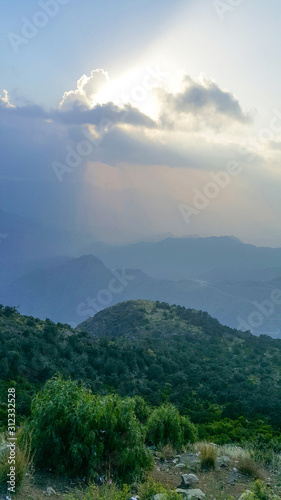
<point x="160" y="352"/>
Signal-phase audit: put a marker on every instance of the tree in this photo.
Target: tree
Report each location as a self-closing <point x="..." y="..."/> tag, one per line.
<point x="77" y="432"/>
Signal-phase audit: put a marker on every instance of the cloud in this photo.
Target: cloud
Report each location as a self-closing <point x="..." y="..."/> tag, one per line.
<point x="4" y="100"/>
<point x="202" y="100"/>
<point x="274" y="145"/>
<point x="104" y="113"/>
<point x="87" y="89"/>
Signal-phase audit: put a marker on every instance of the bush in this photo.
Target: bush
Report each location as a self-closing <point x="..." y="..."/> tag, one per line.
<point x="247" y="466"/>
<point x="167" y="451"/>
<point x="105" y="492"/>
<point x="261" y="492"/>
<point x="22" y="466"/>
<point x="148" y="489"/>
<point x="207" y="455"/>
<point x="166" y="426"/>
<point x="142" y="409"/>
<point x="76" y="432"/>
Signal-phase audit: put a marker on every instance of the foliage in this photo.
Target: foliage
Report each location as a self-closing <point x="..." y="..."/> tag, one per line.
<point x="166" y="426"/>
<point x="248" y="466"/>
<point x="227" y="382"/>
<point x="148" y="489"/>
<point x="208" y="455"/>
<point x="23" y="465"/>
<point x="76" y="432"/>
<point x="104" y="492"/>
<point x="262" y="492"/>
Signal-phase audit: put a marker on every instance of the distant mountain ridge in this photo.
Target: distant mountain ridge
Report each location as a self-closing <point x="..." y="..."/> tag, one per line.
<point x="183" y="258"/>
<point x="72" y="289"/>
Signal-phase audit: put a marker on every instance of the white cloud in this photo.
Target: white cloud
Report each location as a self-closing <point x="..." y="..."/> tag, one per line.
<point x="4" y="100"/>
<point x="88" y="87"/>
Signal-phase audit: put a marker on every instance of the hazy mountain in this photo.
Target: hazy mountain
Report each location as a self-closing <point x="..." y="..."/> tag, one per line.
<point x="73" y="289"/>
<point x="180" y="258"/>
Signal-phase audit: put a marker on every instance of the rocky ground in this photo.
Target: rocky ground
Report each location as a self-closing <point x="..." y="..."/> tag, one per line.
<point x="182" y="472"/>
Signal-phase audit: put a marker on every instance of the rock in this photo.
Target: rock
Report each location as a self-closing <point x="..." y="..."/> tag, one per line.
<point x="191" y="494"/>
<point x="50" y="491"/>
<point x="223" y="461"/>
<point x="189" y="458"/>
<point x="195" y="495"/>
<point x="233" y="477"/>
<point x="180" y="466"/>
<point x="188" y="480"/>
<point x="158" y="496"/>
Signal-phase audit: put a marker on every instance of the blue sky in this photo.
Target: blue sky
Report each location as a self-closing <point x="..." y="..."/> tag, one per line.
<point x="181" y="89"/>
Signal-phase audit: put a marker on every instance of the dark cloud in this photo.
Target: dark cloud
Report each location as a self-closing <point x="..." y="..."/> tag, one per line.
<point x="79" y="115"/>
<point x="104" y="112"/>
<point x="202" y="100"/>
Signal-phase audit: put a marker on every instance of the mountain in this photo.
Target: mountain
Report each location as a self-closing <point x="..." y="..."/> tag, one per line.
<point x="73" y="289"/>
<point x="221" y="258"/>
<point x="151" y="349"/>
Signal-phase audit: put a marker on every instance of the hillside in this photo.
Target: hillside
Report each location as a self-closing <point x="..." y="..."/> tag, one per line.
<point x="160" y="352"/>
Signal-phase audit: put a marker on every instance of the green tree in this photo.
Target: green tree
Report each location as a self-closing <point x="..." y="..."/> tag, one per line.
<point x="74" y="431"/>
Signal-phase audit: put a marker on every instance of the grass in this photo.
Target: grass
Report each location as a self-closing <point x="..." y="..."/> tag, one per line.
<point x="23" y="466"/>
<point x="145" y="491"/>
<point x="247" y="466"/>
<point x="207" y="455"/>
<point x="167" y="451"/>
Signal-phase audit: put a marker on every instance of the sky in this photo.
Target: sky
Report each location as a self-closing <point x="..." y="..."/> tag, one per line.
<point x="134" y="119"/>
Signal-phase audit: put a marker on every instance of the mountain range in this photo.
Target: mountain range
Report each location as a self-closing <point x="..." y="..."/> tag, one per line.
<point x="46" y="274"/>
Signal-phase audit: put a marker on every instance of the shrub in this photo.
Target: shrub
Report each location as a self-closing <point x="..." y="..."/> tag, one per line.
<point x="261" y="492"/>
<point x="247" y="466"/>
<point x="166" y="426"/>
<point x="142" y="409"/>
<point x="167" y="451"/>
<point x="76" y="432"/>
<point x="105" y="492"/>
<point x="207" y="455"/>
<point x="148" y="489"/>
<point x="22" y="466"/>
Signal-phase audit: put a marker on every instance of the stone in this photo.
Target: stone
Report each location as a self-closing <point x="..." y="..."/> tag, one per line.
<point x="50" y="491"/>
<point x="195" y="495"/>
<point x="180" y="466"/>
<point x="223" y="461"/>
<point x="191" y="494"/>
<point x="188" y="480"/>
<point x="189" y="458"/>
